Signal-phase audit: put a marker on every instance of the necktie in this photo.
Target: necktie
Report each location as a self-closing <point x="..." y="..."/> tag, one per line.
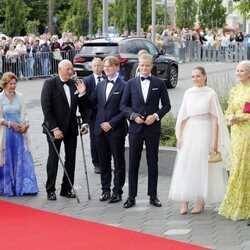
<point x="145" y="78"/>
<point x="99" y="78"/>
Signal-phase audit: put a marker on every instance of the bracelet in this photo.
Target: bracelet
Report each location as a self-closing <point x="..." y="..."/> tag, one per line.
<point x="8" y="124"/>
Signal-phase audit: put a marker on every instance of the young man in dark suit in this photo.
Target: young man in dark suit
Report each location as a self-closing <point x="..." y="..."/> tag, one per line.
<point x="59" y="98"/>
<point x="140" y="103"/>
<point x="110" y="130"/>
<point x="91" y="82"/>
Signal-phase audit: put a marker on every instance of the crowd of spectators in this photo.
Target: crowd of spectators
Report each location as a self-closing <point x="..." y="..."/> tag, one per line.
<point x="32" y="55"/>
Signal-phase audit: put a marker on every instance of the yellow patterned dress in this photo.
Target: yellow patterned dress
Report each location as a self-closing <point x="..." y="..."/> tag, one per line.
<point x="236" y="203"/>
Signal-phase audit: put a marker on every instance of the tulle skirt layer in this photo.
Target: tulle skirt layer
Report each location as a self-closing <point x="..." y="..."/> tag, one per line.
<point x="193" y="177"/>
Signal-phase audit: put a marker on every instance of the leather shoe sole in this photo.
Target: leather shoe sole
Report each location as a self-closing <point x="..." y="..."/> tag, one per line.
<point x="51" y="196"/>
<point x="68" y="194"/>
<point x="155" y="202"/>
<point x="115" y="198"/>
<point x="105" y="196"/>
<point x="97" y="170"/>
<point x="129" y="203"/>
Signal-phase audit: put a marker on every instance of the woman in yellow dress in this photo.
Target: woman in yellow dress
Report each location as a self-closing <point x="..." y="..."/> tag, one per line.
<point x="236" y="203"/>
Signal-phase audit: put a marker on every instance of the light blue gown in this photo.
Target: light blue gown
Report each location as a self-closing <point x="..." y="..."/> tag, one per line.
<point x="17" y="176"/>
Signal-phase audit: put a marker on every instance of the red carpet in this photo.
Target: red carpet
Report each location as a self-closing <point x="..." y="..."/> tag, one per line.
<point x="25" y="228"/>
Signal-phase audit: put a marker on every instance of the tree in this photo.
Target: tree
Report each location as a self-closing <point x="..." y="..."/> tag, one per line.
<point x="243" y="6"/>
<point x="39" y="12"/>
<point x="123" y="14"/>
<point x="185" y="13"/>
<point x="212" y="14"/>
<point x="16" y="12"/>
<point x="76" y="15"/>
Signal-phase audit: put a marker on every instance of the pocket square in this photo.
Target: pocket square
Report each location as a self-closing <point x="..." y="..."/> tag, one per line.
<point x="154" y="88"/>
<point x="116" y="93"/>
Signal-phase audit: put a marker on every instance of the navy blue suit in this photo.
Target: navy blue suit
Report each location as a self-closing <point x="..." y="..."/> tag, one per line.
<point x="133" y="103"/>
<point x="90" y="117"/>
<point x="111" y="143"/>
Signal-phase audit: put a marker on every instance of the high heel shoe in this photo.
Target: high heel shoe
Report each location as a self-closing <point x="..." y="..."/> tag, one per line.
<point x="199" y="207"/>
<point x="184" y="208"/>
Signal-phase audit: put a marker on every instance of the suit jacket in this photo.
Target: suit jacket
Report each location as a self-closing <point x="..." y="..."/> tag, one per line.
<point x="56" y="110"/>
<point x="108" y="110"/>
<point x="90" y="114"/>
<point x="133" y="102"/>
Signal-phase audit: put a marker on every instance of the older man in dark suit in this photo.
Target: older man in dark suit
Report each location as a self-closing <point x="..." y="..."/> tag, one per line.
<point x="140" y="103"/>
<point x="59" y="98"/>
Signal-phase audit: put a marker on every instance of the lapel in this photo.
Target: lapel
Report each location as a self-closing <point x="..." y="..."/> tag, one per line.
<point x="138" y="83"/>
<point x="114" y="88"/>
<point x="59" y="84"/>
<point x="149" y="90"/>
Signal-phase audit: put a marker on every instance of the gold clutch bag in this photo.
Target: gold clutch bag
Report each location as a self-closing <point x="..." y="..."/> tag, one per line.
<point x="214" y="157"/>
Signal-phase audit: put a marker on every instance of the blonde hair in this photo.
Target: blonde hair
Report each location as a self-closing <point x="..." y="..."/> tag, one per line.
<point x="7" y="76"/>
<point x="146" y="57"/>
<point x="112" y="60"/>
<point x="245" y="64"/>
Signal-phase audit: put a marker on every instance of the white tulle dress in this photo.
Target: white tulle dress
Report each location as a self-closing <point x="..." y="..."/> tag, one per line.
<point x="193" y="177"/>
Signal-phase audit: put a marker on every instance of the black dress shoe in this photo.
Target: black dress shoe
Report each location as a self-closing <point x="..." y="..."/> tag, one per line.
<point x="105" y="196"/>
<point x="130" y="202"/>
<point x="248" y="223"/>
<point x="51" y="196"/>
<point x="155" y="201"/>
<point x="68" y="194"/>
<point x="115" y="198"/>
<point x="97" y="170"/>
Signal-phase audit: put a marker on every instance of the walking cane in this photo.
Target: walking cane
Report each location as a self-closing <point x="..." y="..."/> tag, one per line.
<point x="83" y="155"/>
<point x="52" y="139"/>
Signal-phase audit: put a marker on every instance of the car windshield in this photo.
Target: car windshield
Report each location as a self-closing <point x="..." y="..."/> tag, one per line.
<point x="100" y="48"/>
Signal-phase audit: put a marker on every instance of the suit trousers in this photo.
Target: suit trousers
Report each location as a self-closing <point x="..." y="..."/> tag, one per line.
<point x="108" y="146"/>
<point x="135" y="149"/>
<point x="70" y="143"/>
<point x="93" y="149"/>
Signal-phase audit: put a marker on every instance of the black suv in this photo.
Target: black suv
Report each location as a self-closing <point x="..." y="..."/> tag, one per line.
<point x="126" y="49"/>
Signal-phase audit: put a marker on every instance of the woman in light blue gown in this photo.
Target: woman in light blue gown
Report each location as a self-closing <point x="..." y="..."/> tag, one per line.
<point x="17" y="174"/>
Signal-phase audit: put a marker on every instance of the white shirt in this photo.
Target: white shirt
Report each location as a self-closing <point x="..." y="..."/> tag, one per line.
<point x="110" y="86"/>
<point x="67" y="91"/>
<point x="96" y="78"/>
<point x="145" y="87"/>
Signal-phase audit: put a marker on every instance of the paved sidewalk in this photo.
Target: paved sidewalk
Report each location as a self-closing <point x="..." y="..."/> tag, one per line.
<point x="207" y="229"/>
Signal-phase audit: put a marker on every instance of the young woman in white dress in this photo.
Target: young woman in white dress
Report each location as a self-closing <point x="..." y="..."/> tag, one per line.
<point x="200" y="129"/>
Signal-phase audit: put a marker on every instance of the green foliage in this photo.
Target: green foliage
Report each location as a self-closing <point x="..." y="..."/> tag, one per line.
<point x="16" y="12"/>
<point x="212" y="13"/>
<point x="123" y="14"/>
<point x="39" y="12"/>
<point x="243" y="6"/>
<point x="222" y="87"/>
<point x="168" y="130"/>
<point x="32" y="27"/>
<point x="185" y="13"/>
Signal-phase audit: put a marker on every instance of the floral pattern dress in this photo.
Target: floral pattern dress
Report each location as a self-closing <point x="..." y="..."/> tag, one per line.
<point x="236" y="203"/>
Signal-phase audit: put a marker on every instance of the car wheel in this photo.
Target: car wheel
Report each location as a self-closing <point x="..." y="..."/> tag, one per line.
<point x="172" y="78"/>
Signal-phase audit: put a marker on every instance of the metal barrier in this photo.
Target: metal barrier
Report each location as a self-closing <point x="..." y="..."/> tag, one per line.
<point x="35" y="65"/>
<point x="45" y="64"/>
<point x="189" y="51"/>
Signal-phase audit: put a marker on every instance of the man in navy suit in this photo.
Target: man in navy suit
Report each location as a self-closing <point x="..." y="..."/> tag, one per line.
<point x="91" y="83"/>
<point x="110" y="130"/>
<point x="140" y="103"/>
